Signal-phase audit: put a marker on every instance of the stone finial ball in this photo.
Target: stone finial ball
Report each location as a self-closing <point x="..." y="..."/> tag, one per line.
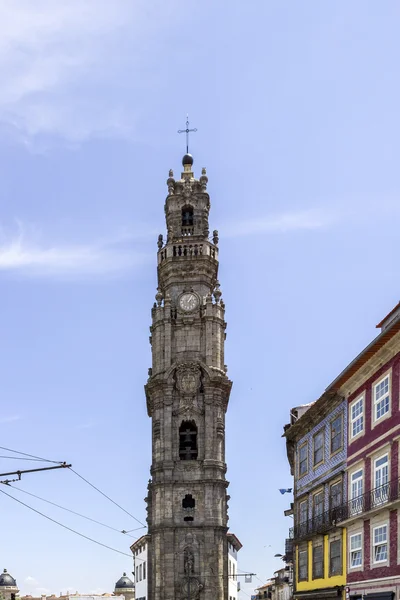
<point x="187" y="160"/>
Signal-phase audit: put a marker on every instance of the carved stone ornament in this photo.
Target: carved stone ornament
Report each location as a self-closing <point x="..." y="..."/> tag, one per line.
<point x="194" y="590"/>
<point x="188" y="378"/>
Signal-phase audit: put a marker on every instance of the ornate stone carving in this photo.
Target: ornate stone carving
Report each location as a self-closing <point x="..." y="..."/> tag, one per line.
<point x="188" y="562"/>
<point x="159" y="297"/>
<point x="188" y="378"/>
<point x="156" y="429"/>
<point x="190" y="586"/>
<point x="195" y="587"/>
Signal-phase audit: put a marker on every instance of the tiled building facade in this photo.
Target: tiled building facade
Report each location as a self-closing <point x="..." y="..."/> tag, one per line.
<point x="346" y="511"/>
<point x="317" y="445"/>
<point x="370" y="512"/>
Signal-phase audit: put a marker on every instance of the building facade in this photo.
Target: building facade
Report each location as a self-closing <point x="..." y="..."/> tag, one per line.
<point x="354" y="517"/>
<point x="187" y="397"/>
<point x="139" y="550"/>
<point x="234" y="546"/>
<point x="8" y="586"/>
<point x="317" y="445"/>
<point x="370" y="511"/>
<point x="125" y="588"/>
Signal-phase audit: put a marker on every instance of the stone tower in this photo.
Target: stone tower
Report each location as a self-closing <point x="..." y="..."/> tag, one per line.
<point x="187" y="396"/>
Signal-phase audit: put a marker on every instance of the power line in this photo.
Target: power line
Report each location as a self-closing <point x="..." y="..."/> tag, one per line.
<point x="108" y="497"/>
<point x="71" y="511"/>
<point x="31" y="455"/>
<point x="19" y="458"/>
<point x="65" y="526"/>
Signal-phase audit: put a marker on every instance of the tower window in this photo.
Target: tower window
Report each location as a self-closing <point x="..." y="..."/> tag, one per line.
<point x="187" y="216"/>
<point x="188" y="440"/>
<point x="188" y="501"/>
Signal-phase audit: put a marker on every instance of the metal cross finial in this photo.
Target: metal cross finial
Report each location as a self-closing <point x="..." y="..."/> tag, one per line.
<point x="187" y="131"/>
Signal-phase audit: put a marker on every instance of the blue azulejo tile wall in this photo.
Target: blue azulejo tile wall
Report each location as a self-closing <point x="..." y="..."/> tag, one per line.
<point x="333" y="462"/>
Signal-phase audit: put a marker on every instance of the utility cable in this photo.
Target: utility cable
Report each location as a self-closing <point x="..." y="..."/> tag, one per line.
<point x="19" y="458"/>
<point x="68" y="528"/>
<point x="108" y="497"/>
<point x="71" y="511"/>
<point x="57" y="462"/>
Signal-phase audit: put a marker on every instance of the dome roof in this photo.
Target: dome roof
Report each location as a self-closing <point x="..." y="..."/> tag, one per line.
<point x="187" y="160"/>
<point x="6" y="580"/>
<point x="124" y="582"/>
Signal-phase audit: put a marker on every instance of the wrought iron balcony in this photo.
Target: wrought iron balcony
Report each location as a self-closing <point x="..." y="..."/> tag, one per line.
<point x="372" y="500"/>
<point x="289" y="549"/>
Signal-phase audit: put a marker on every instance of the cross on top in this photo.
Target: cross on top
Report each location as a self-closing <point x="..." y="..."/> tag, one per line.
<point x="187" y="131"/>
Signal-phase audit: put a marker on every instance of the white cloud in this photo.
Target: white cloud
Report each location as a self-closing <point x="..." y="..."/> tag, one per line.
<point x="31" y="580"/>
<point x="9" y="419"/>
<point x="279" y="223"/>
<point x="64" y="65"/>
<point x="24" y="254"/>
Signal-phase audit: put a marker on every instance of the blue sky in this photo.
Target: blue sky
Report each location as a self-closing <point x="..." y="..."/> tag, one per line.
<point x="296" y="105"/>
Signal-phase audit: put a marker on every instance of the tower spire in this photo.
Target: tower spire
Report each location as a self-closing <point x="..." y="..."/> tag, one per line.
<point x="187" y="131"/>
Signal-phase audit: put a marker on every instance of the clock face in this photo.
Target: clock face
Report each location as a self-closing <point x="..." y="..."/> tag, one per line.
<point x="188" y="301"/>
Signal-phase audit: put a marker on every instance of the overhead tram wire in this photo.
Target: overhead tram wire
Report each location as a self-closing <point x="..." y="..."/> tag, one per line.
<point x="33" y="457"/>
<point x="86" y="537"/>
<point x="72" y="511"/>
<point x="108" y="497"/>
<point x="19" y="458"/>
<point x="56" y="462"/>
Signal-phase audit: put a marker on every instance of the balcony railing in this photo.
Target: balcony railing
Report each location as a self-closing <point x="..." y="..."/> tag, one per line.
<point x="289" y="549"/>
<point x="371" y="500"/>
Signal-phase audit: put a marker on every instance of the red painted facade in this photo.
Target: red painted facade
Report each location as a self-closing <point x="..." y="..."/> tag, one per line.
<point x="377" y="440"/>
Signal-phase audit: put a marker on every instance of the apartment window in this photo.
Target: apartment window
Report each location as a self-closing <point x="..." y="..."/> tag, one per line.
<point x="335" y="495"/>
<point x="355" y="550"/>
<point x="335" y="558"/>
<point x="318" y="562"/>
<point x="380" y="545"/>
<point x="318" y="504"/>
<point x="303" y="459"/>
<point x="381" y="398"/>
<point x="303" y="565"/>
<point x="337" y="434"/>
<point x="381" y="479"/>
<point x="318" y="447"/>
<point x="356" y="491"/>
<point x="357" y="417"/>
<point x="140" y="572"/>
<point x="137" y="574"/>
<point x="144" y="570"/>
<point x="303" y="513"/>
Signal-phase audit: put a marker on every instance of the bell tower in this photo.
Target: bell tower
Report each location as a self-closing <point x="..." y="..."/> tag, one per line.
<point x="187" y="397"/>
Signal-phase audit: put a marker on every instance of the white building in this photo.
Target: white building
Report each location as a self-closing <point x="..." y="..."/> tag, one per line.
<point x="140" y="566"/>
<point x="233" y="548"/>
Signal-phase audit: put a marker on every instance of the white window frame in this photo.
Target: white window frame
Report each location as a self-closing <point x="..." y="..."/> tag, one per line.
<point x="378" y="401"/>
<point x="381" y="487"/>
<point x="376" y="545"/>
<point x="356" y="505"/>
<point x="356" y="549"/>
<point x="358" y="418"/>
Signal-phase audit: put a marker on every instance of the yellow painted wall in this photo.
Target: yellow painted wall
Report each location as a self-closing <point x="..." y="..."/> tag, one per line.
<point x="326" y="581"/>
